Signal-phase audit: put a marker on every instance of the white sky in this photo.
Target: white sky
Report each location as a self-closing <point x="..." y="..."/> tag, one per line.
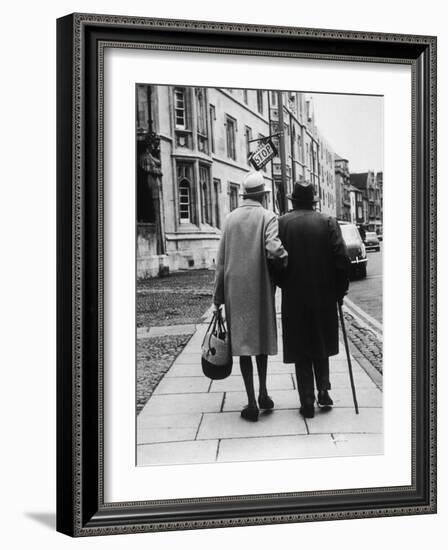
<point x="353" y="127"/>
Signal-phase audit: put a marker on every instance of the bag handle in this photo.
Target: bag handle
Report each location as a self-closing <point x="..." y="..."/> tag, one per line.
<point x="211" y="329"/>
<point x="221" y="323"/>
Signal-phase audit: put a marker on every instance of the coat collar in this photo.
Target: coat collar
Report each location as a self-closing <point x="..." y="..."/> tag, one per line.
<point x="251" y="202"/>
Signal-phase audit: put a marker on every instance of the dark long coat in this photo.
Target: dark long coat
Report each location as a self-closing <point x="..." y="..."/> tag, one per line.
<point x="316" y="277"/>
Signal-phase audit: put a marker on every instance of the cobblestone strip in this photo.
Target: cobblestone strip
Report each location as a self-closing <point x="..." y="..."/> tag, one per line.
<point x="365" y="341"/>
<point x="154" y="358"/>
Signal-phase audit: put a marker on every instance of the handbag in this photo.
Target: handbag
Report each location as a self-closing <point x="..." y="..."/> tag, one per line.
<point x="216" y="355"/>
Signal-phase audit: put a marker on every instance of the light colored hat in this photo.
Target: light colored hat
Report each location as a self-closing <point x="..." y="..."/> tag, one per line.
<point x="253" y="185"/>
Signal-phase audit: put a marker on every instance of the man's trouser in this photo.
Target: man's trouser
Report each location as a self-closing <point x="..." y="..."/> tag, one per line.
<point x="306" y="370"/>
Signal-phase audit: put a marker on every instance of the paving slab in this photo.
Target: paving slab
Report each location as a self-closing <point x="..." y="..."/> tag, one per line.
<point x="342" y="379"/>
<point x="180" y="452"/>
<point x="197" y="384"/>
<point x="172" y="427"/>
<point x="170" y="330"/>
<point x="274" y="448"/>
<point x="289" y="399"/>
<point x="366" y="396"/>
<point x="235" y="383"/>
<point x="341" y="420"/>
<point x="190" y="355"/>
<point x="342" y="367"/>
<point x="359" y="444"/>
<point x="182" y="404"/>
<point x="195" y="369"/>
<point x="185" y="370"/>
<point x="231" y="425"/>
<point x="188" y="359"/>
<point x="283" y="399"/>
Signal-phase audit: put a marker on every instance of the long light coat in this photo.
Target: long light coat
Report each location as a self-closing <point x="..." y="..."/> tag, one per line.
<point x="243" y="281"/>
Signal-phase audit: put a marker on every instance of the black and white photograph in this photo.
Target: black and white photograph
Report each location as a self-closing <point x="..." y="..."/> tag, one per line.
<point x="259" y="274"/>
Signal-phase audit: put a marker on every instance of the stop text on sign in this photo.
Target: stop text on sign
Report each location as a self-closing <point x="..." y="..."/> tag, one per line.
<point x="263" y="154"/>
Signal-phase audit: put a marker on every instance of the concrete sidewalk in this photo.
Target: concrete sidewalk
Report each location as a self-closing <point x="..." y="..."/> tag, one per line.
<point x="191" y="419"/>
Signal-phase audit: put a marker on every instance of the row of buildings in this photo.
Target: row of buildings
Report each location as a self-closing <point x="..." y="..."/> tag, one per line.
<point x="192" y="153"/>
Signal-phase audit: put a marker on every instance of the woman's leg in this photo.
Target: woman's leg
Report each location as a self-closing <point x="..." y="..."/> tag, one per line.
<point x="264" y="400"/>
<point x="262" y="367"/>
<point x="248" y="377"/>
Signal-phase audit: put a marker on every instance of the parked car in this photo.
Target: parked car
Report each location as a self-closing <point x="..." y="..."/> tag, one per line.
<point x="372" y="241"/>
<point x="356" y="249"/>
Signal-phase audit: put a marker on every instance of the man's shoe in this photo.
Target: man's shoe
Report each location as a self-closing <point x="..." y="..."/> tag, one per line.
<point x="324" y="400"/>
<point x="307" y="411"/>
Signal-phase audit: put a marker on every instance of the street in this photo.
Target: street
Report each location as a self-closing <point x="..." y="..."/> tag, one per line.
<point x="368" y="293"/>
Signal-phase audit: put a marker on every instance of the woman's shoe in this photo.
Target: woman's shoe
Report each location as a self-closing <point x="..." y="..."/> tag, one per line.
<point x="250" y="413"/>
<point x="265" y="402"/>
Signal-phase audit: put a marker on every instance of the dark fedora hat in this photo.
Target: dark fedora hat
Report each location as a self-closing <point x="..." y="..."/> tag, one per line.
<point x="303" y="193"/>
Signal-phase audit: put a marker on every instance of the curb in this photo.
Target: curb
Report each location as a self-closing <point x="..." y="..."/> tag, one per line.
<point x="364" y="319"/>
<point x="370" y="370"/>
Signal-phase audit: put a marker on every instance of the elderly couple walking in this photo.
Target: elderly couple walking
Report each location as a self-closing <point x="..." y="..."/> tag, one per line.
<point x="302" y="252"/>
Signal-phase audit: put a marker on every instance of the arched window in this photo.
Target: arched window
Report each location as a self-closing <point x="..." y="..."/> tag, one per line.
<point x="184" y="201"/>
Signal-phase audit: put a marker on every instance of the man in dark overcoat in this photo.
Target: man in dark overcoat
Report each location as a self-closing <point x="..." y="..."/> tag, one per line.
<point x="316" y="278"/>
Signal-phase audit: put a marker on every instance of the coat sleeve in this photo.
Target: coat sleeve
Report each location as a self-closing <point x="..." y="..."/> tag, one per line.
<point x="276" y="254"/>
<point x="341" y="259"/>
<point x="274" y="247"/>
<point x="218" y="294"/>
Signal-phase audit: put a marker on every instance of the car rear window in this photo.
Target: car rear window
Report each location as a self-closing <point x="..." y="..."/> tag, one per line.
<point x="350" y="233"/>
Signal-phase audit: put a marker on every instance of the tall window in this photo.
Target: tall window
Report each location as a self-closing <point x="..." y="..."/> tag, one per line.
<point x="180" y="111"/>
<point x="233" y="195"/>
<point x="202" y="116"/>
<point x="274" y="98"/>
<point x="216" y="193"/>
<point x="201" y="112"/>
<point x="248" y="135"/>
<point x="260" y="101"/>
<point x="212" y="113"/>
<point x="185" y="192"/>
<point x="230" y="137"/>
<point x="184" y="202"/>
<point x="245" y="99"/>
<point x="204" y="183"/>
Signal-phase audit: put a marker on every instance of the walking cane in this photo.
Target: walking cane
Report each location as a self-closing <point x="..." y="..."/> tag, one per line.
<point x="341" y="317"/>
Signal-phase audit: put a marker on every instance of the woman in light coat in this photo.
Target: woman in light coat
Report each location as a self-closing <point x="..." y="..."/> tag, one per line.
<point x="243" y="284"/>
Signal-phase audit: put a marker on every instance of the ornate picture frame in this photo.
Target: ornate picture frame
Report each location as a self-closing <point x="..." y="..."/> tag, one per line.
<point x="81" y="42"/>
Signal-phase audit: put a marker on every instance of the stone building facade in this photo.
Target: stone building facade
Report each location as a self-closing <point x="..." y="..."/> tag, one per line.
<point x="327" y="178"/>
<point x="343" y="199"/>
<point x="193" y="146"/>
<point x="371" y="189"/>
<point x="192" y="154"/>
<point x="306" y="155"/>
<point x="357" y="206"/>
